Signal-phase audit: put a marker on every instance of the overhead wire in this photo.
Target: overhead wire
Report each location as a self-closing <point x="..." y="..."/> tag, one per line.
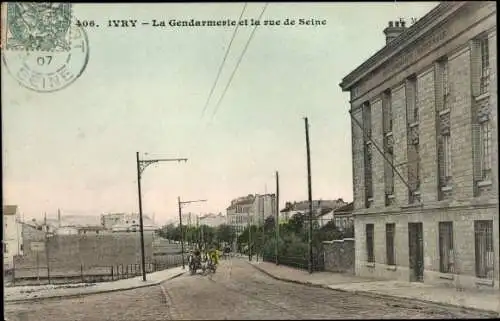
<point x="223" y="62"/>
<point x="232" y="75"/>
<point x="238" y="64"/>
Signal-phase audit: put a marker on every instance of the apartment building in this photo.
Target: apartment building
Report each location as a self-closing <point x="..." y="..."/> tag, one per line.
<point x="425" y="150"/>
<point x="239" y="213"/>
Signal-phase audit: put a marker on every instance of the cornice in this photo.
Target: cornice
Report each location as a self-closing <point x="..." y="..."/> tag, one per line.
<point x="435" y="17"/>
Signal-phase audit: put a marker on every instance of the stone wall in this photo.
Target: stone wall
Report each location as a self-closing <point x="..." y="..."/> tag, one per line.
<point x="340" y="255"/>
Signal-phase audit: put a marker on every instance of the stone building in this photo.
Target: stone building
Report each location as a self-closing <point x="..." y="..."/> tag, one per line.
<point x="425" y="150"/>
<point x="239" y="213"/>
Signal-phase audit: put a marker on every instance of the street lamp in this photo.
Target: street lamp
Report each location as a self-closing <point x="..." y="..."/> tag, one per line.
<point x="180" y="224"/>
<point x="141" y="166"/>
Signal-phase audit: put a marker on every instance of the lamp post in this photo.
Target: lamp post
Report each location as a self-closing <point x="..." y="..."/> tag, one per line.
<point x="180" y="203"/>
<point x="141" y="166"/>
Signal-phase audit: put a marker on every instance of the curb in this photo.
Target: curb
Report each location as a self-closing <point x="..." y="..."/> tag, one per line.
<point x="76" y="295"/>
<point x="371" y="294"/>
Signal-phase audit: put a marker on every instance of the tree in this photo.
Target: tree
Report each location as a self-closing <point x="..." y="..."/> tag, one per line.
<point x="225" y="233"/>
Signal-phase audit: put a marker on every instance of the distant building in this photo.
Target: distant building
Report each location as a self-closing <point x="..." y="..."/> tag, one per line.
<point x="239" y="213"/>
<point x="322" y="210"/>
<point x="189" y="219"/>
<point x="212" y="220"/>
<point x="126" y="222"/>
<point x="98" y="229"/>
<point x="343" y="217"/>
<point x="12" y="235"/>
<point x="264" y="206"/>
<point x="425" y="150"/>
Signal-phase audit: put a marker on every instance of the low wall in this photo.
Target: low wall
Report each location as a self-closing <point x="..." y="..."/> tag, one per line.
<point x="340" y="256"/>
<point x="70" y="252"/>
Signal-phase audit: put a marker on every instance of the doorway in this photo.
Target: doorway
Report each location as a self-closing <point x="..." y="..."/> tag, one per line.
<point x="416" y="252"/>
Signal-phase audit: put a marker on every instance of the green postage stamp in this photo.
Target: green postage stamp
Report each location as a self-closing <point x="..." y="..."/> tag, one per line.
<point x="42" y="48"/>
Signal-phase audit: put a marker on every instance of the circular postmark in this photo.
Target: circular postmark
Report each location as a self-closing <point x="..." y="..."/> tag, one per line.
<point x="50" y="70"/>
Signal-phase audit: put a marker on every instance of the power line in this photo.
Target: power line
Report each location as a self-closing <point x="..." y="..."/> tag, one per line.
<point x="223" y="61"/>
<point x="238" y="63"/>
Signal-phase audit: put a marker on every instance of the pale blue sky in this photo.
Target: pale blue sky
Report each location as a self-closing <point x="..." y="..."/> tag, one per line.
<point x="144" y="90"/>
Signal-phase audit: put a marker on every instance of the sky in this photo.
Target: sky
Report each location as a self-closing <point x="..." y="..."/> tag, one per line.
<point x="144" y="90"/>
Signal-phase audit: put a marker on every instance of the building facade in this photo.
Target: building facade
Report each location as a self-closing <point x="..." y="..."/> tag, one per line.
<point x="264" y="206"/>
<point x="240" y="213"/>
<point x="12" y="235"/>
<point x="425" y="150"/>
<point x="323" y="210"/>
<point x="126" y="222"/>
<point x="213" y="220"/>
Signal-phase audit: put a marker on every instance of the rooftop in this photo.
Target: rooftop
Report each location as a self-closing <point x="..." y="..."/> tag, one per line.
<point x="412" y="33"/>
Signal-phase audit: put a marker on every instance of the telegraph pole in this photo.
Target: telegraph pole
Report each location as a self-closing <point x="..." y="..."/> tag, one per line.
<point x="180" y="203"/>
<point x="181" y="231"/>
<point x="249" y="238"/>
<point x="46" y="227"/>
<point x="141" y="166"/>
<point x="310" y="196"/>
<point x="263" y="223"/>
<point x="277" y="215"/>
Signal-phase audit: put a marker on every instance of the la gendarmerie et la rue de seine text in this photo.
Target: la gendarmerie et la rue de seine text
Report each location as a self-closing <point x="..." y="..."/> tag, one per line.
<point x="216" y="23"/>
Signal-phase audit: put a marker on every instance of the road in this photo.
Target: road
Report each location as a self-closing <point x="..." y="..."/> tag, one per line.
<point x="236" y="291"/>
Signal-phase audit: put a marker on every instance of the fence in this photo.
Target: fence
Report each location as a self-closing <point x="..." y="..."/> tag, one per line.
<point x="84" y="274"/>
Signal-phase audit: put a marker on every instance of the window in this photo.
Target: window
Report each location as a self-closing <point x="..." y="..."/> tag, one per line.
<point x="389" y="172"/>
<point x="486" y="149"/>
<point x="485" y="66"/>
<point x="390" y="230"/>
<point x="411" y="100"/>
<point x="369" y="244"/>
<point x="414" y="172"/>
<point x="483" y="231"/>
<point x="444" y="160"/>
<point x="387" y="111"/>
<point x="368" y="175"/>
<point x="442" y="84"/>
<point x="446" y="255"/>
<point x="482" y="150"/>
<point x="5" y="248"/>
<point x="367" y="119"/>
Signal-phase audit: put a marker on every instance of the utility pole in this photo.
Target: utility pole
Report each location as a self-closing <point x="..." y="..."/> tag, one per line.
<point x="263" y="223"/>
<point x="249" y="238"/>
<point x="46" y="245"/>
<point x="181" y="231"/>
<point x="180" y="203"/>
<point x="310" y="196"/>
<point x="277" y="219"/>
<point x="141" y="166"/>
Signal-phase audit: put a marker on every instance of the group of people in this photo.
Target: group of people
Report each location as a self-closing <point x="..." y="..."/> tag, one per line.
<point x="212" y="254"/>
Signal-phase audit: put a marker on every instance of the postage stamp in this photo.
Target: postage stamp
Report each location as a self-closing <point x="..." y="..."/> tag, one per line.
<point x="42" y="48"/>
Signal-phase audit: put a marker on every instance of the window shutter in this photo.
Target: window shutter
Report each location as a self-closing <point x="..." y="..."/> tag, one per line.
<point x="477" y="152"/>
<point x="441" y="161"/>
<point x="475" y="56"/>
<point x="438" y="76"/>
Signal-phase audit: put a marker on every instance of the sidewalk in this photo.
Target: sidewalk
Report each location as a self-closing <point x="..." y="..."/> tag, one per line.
<point x="29" y="293"/>
<point x="472" y="299"/>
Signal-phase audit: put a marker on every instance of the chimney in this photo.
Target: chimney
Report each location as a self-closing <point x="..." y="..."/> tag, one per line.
<point x="394" y="29"/>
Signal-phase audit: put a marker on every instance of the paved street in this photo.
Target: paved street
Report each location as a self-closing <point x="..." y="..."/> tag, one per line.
<point x="236" y="291"/>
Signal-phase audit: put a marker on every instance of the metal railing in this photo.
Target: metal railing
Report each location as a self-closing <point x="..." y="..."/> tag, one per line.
<point x="83" y="274"/>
